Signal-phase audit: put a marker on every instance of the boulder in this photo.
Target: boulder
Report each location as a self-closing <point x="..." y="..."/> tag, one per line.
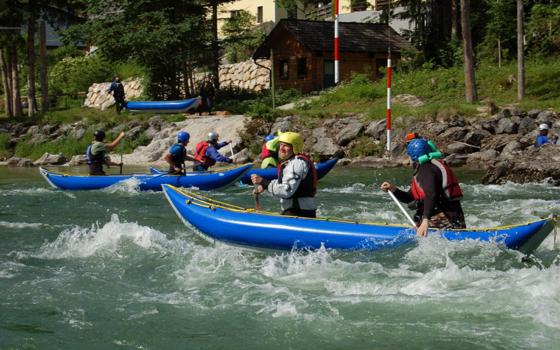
<point x="376" y="128"/>
<point x="526" y="125"/>
<point x="545" y="117"/>
<point x="459" y="148"/>
<point x="476" y="136"/>
<point x="506" y="126"/>
<point x="351" y="128"/>
<point x="51" y="159"/>
<point x="322" y="143"/>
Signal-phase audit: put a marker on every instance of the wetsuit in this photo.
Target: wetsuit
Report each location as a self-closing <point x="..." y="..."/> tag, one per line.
<point x="95" y="156"/>
<point x="435" y="194"/>
<point x="178" y="156"/>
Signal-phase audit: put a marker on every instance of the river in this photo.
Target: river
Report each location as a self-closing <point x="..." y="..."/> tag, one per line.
<point x="116" y="269"/>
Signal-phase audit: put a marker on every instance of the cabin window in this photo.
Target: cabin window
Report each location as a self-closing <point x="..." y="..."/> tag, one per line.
<point x="302" y="68"/>
<point x="259" y="14"/>
<point x="284" y="69"/>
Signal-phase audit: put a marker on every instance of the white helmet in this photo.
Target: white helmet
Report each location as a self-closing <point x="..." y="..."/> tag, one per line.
<point x="213" y="136"/>
<point x="543" y="126"/>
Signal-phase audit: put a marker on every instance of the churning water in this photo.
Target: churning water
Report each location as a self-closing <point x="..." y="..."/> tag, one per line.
<point x="116" y="269"/>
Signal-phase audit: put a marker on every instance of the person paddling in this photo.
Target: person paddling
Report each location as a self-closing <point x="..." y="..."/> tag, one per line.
<point x="269" y="154"/>
<point x="206" y="152"/>
<point x="435" y="192"/>
<point x="177" y="154"/>
<point x="96" y="153"/>
<point x="296" y="185"/>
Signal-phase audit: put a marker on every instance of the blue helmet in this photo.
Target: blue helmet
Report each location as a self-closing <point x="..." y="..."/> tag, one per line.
<point x="417" y="148"/>
<point x="183" y="136"/>
<point x="269" y="137"/>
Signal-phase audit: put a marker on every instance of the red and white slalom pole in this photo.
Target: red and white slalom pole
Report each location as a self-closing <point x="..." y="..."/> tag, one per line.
<point x="336" y="72"/>
<point x="389" y="102"/>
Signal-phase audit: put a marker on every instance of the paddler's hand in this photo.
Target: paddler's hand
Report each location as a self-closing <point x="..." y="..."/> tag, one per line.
<point x="422" y="230"/>
<point x="177" y="169"/>
<point x="387" y="186"/>
<point x="258" y="189"/>
<point x="256" y="179"/>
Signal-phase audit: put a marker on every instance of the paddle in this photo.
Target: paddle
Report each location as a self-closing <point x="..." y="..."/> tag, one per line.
<point x="401" y="207"/>
<point x="231" y="150"/>
<point x="120" y="166"/>
<point x="256" y="195"/>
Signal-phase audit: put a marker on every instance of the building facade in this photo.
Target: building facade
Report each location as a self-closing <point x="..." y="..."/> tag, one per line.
<point x="302" y="52"/>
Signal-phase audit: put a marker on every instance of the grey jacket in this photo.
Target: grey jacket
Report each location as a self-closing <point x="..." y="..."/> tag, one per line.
<point x="292" y="174"/>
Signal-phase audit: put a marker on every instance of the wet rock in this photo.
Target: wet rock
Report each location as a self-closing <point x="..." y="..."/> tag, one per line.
<point x="533" y="165"/>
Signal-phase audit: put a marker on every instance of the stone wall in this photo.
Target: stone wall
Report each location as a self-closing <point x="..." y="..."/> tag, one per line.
<point x="97" y="96"/>
<point x="246" y="75"/>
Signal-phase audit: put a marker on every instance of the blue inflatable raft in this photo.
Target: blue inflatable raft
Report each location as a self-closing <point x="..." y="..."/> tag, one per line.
<point x="272" y="173"/>
<point x="145" y="182"/>
<point x="235" y="225"/>
<point x="181" y="106"/>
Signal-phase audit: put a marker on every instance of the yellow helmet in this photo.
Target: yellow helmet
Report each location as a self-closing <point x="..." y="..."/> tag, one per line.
<point x="292" y="138"/>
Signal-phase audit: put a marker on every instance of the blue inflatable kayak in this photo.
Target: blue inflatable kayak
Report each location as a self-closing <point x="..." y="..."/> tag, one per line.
<point x="272" y="173"/>
<point x="180" y="106"/>
<point x="145" y="182"/>
<point x="235" y="225"/>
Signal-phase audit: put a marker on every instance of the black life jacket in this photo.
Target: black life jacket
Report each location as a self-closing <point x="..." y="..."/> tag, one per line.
<point x="95" y="161"/>
<point x="308" y="186"/>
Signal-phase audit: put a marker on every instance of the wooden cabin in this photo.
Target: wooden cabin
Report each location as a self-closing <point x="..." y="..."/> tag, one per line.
<point x="303" y="57"/>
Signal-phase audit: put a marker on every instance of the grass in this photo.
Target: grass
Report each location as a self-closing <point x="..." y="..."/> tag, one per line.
<point x="442" y="89"/>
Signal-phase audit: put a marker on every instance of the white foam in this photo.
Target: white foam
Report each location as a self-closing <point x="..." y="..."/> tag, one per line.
<point x="21" y="225"/>
<point x="79" y="242"/>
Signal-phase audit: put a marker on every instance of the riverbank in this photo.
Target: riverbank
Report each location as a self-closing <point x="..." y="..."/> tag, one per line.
<point x="502" y="144"/>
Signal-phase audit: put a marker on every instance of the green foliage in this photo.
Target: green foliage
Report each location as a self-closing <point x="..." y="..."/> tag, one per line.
<point x="242" y="37"/>
<point x="5" y="146"/>
<point x="440" y="89"/>
<point x="364" y="146"/>
<point x="75" y="74"/>
<point x="67" y="146"/>
<point x="544" y="29"/>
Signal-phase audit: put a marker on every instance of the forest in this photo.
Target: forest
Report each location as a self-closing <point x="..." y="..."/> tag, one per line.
<point x="167" y="41"/>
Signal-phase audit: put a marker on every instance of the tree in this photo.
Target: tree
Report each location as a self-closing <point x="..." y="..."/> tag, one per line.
<point x="470" y="82"/>
<point x="520" y="51"/>
<point x="31" y="31"/>
<point x="543" y="28"/>
<point x="242" y="36"/>
<point x="164" y="36"/>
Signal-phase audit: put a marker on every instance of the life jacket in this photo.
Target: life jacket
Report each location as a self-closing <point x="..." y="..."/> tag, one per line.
<point x="269" y="157"/>
<point x="200" y="154"/>
<point x="449" y="185"/>
<point x="308" y="186"/>
<point x="94" y="158"/>
<point x="178" y="156"/>
<point x="95" y="161"/>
